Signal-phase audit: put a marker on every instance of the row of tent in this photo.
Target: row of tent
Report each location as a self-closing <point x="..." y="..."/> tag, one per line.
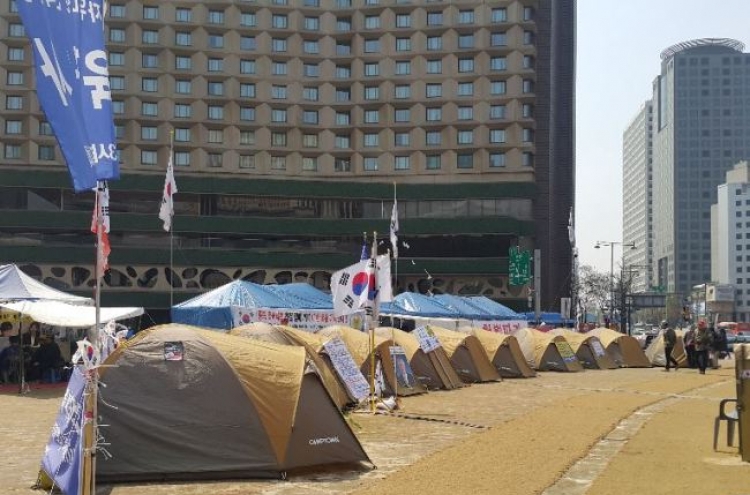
<point x="184" y="402"/>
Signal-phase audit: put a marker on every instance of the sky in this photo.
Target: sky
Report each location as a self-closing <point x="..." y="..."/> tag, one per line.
<point x="619" y="43"/>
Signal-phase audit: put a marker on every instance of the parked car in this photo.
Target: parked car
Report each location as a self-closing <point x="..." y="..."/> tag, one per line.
<point x="740" y="338"/>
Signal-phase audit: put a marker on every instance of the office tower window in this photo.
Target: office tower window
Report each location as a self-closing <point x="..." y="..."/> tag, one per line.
<point x="434" y="114"/>
<point x="248" y="19"/>
<point x="497" y="136"/>
<point x="247" y="90"/>
<point x="310" y="140"/>
<point x="182" y="14"/>
<point x="278" y="115"/>
<point x="401" y="139"/>
<point x="182" y="158"/>
<point x="465" y="113"/>
<point x="149" y="61"/>
<point x="13" y="127"/>
<point x="183" y="87"/>
<point x="116" y="35"/>
<point x="215" y="160"/>
<point x="403" y="44"/>
<point x="150" y="37"/>
<point x="370" y="164"/>
<point x="465" y="137"/>
<point x="216" y="136"/>
<point x="215" y="64"/>
<point x="149" y="109"/>
<point x="498" y="39"/>
<point x="434" y="43"/>
<point x="182" y="135"/>
<point x="402" y="91"/>
<point x="403" y="163"/>
<point x="215" y="112"/>
<point x="465" y="65"/>
<point x="183" y="39"/>
<point x="149" y="133"/>
<point x="247" y="138"/>
<point x="310" y="93"/>
<point x="497" y="112"/>
<point x="151" y="13"/>
<point x="434" y="66"/>
<point x="18" y="54"/>
<point x="403" y="115"/>
<point x="118" y="107"/>
<point x="312" y="23"/>
<point x="433" y="90"/>
<point x="433" y="138"/>
<point x="433" y="162"/>
<point x="499" y="15"/>
<point x="310" y="117"/>
<point x="248" y="43"/>
<point x="247" y="66"/>
<point x="466" y="41"/>
<point x="278" y="92"/>
<point x="498" y="87"/>
<point x="465" y="89"/>
<point x="278" y="139"/>
<point x="148" y="157"/>
<point x="309" y="164"/>
<point x="150" y="84"/>
<point x="403" y="67"/>
<point x="497" y="159"/>
<point x="342" y="165"/>
<point x="247" y="161"/>
<point x="215" y="88"/>
<point x="215" y="41"/>
<point x="465" y="160"/>
<point x="371" y="140"/>
<point x="182" y="62"/>
<point x="215" y="17"/>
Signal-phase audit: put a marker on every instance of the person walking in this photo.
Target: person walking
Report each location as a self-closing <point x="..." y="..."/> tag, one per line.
<point x="702" y="346"/>
<point x="670" y="339"/>
<point x="689" y="340"/>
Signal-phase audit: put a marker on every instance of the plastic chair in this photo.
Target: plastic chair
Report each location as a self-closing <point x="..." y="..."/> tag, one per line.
<point x="730" y="417"/>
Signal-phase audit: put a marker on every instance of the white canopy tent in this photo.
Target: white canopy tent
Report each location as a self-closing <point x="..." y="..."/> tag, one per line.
<point x="63" y="314"/>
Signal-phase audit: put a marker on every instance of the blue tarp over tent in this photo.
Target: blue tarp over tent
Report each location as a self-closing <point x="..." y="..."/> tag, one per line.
<point x="494" y="308"/>
<point x="462" y="306"/>
<point x="413" y="304"/>
<point x="301" y="295"/>
<point x="547" y="318"/>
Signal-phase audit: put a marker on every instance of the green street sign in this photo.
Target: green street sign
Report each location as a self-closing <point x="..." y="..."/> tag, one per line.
<point x="519" y="266"/>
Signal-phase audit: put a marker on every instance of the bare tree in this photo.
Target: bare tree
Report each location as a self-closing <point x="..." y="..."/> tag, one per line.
<point x="593" y="289"/>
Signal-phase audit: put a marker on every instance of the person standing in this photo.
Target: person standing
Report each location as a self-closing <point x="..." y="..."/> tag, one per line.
<point x="670" y="339"/>
<point x="689" y="340"/>
<point x="702" y="345"/>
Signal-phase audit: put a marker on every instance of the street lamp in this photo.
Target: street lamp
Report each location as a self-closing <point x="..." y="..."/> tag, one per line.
<point x="612" y="245"/>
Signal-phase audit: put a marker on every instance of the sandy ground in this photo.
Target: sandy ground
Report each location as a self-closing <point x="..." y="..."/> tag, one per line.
<point x="624" y="431"/>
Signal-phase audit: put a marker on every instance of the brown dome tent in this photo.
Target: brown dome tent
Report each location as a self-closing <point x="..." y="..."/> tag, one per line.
<point x="551" y="352"/>
<point x="433" y="369"/>
<point x="331" y="380"/>
<point x="358" y="344"/>
<point x="504" y="353"/>
<point x="187" y="403"/>
<point x="467" y="356"/>
<point x="588" y="348"/>
<point x="624" y="350"/>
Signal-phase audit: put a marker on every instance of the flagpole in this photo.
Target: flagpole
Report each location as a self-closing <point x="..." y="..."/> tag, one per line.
<point x="171" y="228"/>
<point x="395" y="248"/>
<point x="370" y="320"/>
<point x="94" y="335"/>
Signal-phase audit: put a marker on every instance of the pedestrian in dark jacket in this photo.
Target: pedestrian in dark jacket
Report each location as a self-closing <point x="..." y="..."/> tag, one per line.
<point x="670" y="339"/>
<point x="702" y="346"/>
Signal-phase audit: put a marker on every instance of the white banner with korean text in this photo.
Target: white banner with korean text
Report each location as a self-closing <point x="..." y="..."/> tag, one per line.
<point x="310" y="320"/>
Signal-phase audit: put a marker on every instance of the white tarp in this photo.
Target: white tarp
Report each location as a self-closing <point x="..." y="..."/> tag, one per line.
<point x="61" y="314"/>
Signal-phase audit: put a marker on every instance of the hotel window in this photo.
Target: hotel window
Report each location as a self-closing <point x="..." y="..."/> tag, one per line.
<point x="215" y="17"/>
<point x="183" y="39"/>
<point x="45" y="128"/>
<point x="149" y="109"/>
<point x="497" y="159"/>
<point x="115" y="35"/>
<point x="434" y="114"/>
<point x="247" y="161"/>
<point x="215" y="64"/>
<point x="434" y="43"/>
<point x="12" y="151"/>
<point x="528" y="13"/>
<point x="148" y="157"/>
<point x="247" y="138"/>
<point x="342" y="165"/>
<point x="248" y="19"/>
<point x="528" y="86"/>
<point x="370" y="164"/>
<point x="403" y="115"/>
<point x="182" y="111"/>
<point x="497" y="136"/>
<point x="342" y="141"/>
<point x="402" y="139"/>
<point x="278" y="139"/>
<point x="433" y="162"/>
<point x="528" y="37"/>
<point x="372" y="69"/>
<point x="403" y="20"/>
<point x="215" y="112"/>
<point x="465" y="65"/>
<point x="465" y="160"/>
<point x="403" y="67"/>
<point x="434" y="90"/>
<point x="118" y="107"/>
<point x="311" y="47"/>
<point x="116" y="11"/>
<point x="278" y="45"/>
<point x="343" y="118"/>
<point x="183" y="15"/>
<point x="14" y="78"/>
<point x="497" y="112"/>
<point x="403" y="163"/>
<point x="280" y="2"/>
<point x="311" y="3"/>
<point x="465" y="89"/>
<point x="183" y="87"/>
<point x="434" y="66"/>
<point x="279" y="21"/>
<point x="466" y="41"/>
<point x="13" y="127"/>
<point x="182" y="158"/>
<point x="498" y="39"/>
<point x="119" y="131"/>
<point x="527" y="135"/>
<point x="278" y="68"/>
<point x="433" y="138"/>
<point x="278" y="92"/>
<point x="310" y="117"/>
<point x="465" y="137"/>
<point x="372" y="116"/>
<point x="278" y="115"/>
<point x="372" y="92"/>
<point x="403" y="44"/>
<point x="527" y="159"/>
<point x="466" y="17"/>
<point x="214" y="160"/>
<point x="309" y="164"/>
<point x="343" y="24"/>
<point x="247" y="114"/>
<point x="371" y="140"/>
<point x="344" y="4"/>
<point x="247" y="90"/>
<point x="216" y="136"/>
<point x="434" y="18"/>
<point x="150" y="37"/>
<point x="499" y="15"/>
<point x="528" y="62"/>
<point x="151" y="13"/>
<point x="248" y="43"/>
<point x="182" y="135"/>
<point x="46" y="152"/>
<point x="150" y="84"/>
<point x="14" y="102"/>
<point x="310" y="93"/>
<point x="311" y="70"/>
<point x="149" y="133"/>
<point x="215" y="88"/>
<point x="343" y="94"/>
<point x="402" y="91"/>
<point x="372" y="22"/>
<point x="498" y="63"/>
<point x="18" y="54"/>
<point x="310" y="140"/>
<point x="149" y="61"/>
<point x="215" y="41"/>
<point x="372" y="46"/>
<point x="183" y="62"/>
<point x="465" y="113"/>
<point x="527" y="110"/>
<point x="343" y="48"/>
<point x="312" y="23"/>
<point x="498" y="87"/>
<point x="247" y="66"/>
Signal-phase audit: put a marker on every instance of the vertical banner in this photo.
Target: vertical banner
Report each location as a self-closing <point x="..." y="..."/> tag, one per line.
<point x="347" y="369"/>
<point x="72" y="83"/>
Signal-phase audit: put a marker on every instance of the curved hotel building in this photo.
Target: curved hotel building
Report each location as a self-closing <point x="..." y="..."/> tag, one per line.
<point x="293" y="124"/>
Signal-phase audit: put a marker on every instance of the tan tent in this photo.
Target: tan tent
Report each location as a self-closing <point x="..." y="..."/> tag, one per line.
<point x="433" y="369"/>
<point x="358" y="344"/>
<point x="588" y="348"/>
<point x="331" y="380"/>
<point x="624" y="350"/>
<point x="467" y="356"/>
<point x="551" y="352"/>
<point x="504" y="352"/>
<point x="189" y="403"/>
<point x="655" y="351"/>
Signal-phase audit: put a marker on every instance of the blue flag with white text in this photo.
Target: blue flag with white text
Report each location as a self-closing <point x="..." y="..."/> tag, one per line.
<point x="72" y="83"/>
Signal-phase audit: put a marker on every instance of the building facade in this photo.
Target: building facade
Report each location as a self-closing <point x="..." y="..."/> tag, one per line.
<point x="291" y="124"/>
<point x="701" y="128"/>
<point x="637" y="187"/>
